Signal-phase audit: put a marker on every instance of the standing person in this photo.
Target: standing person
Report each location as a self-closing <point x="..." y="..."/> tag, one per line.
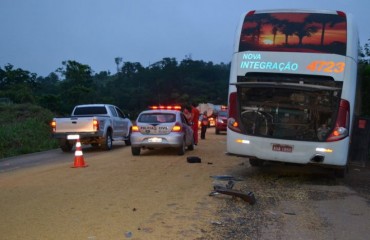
<point x="195" y="118"/>
<point x="187" y="113"/>
<point x="204" y="125"/>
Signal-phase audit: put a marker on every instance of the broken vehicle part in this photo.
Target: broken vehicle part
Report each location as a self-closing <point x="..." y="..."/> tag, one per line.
<point x="248" y="197"/>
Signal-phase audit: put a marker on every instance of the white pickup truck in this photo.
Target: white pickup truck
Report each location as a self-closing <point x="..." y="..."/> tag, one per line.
<point x="96" y="124"/>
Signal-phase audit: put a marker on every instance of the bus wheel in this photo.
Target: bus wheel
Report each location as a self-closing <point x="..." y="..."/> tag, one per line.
<point x="341" y="172"/>
<point x="255" y="162"/>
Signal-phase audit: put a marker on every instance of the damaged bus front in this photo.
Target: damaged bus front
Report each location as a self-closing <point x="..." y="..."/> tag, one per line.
<point x="292" y="98"/>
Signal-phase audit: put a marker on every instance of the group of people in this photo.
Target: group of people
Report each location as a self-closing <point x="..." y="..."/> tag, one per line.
<point x="193" y="115"/>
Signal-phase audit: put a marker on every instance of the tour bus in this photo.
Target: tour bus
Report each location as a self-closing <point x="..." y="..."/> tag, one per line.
<point x="293" y="87"/>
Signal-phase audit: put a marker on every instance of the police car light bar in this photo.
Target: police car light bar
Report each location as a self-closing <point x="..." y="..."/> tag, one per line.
<point x="165" y="107"/>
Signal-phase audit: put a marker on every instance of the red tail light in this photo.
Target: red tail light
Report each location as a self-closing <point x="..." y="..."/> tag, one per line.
<point x="95" y="125"/>
<point x="232" y="122"/>
<point x="341" y="128"/>
<point x="177" y="127"/>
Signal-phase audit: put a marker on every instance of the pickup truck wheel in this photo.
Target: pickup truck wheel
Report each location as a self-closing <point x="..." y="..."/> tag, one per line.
<point x="135" y="151"/>
<point x="66" y="146"/>
<point x="128" y="139"/>
<point x="108" y="142"/>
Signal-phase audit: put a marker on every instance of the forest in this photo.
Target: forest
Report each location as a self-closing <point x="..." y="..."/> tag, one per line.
<point x="132" y="88"/>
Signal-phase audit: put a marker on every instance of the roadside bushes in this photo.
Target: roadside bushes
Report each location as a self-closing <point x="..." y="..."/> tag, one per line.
<point x="24" y="128"/>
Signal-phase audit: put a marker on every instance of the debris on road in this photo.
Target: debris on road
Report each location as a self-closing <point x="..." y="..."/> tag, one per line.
<point x="194" y="159"/>
<point x="226" y="178"/>
<point x="248" y="197"/>
<point x="128" y="234"/>
<point x="216" y="223"/>
<point x="228" y="190"/>
<point x="230" y="184"/>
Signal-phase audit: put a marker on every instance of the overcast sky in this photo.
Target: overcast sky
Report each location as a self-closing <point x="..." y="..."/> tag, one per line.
<point x="37" y="35"/>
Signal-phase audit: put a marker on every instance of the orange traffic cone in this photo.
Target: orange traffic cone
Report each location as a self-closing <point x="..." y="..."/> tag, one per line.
<point x="79" y="158"/>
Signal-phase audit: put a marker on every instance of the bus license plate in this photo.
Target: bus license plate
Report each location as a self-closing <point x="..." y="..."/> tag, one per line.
<point x="282" y="148"/>
<point x="155" y="140"/>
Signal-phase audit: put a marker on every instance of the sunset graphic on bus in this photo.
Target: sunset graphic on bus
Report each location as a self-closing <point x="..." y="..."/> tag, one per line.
<point x="294" y="32"/>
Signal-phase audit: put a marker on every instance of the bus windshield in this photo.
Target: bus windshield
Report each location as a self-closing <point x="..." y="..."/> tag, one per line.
<point x="279" y="107"/>
<point x="294" y="32"/>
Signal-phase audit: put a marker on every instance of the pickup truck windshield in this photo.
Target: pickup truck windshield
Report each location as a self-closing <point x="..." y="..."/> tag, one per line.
<point x="80" y="111"/>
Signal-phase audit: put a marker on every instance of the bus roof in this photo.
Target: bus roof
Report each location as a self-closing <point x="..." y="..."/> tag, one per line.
<point x="296" y="10"/>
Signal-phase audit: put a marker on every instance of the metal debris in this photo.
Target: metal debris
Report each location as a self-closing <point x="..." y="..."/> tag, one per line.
<point x="226" y="178"/>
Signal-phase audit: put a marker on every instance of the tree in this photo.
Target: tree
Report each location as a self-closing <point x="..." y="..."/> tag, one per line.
<point x="77" y="87"/>
<point x="288" y="29"/>
<point x="134" y="88"/>
<point x="17" y="84"/>
<point x="364" y="74"/>
<point x="304" y="30"/>
<point x="118" y="60"/>
<point x="324" y="20"/>
<point x="259" y="20"/>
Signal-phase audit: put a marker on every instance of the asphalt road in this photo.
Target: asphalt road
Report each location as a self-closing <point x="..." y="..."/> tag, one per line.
<point x="159" y="195"/>
<point x="55" y="156"/>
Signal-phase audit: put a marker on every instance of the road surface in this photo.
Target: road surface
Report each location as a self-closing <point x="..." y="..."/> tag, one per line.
<point x="159" y="195"/>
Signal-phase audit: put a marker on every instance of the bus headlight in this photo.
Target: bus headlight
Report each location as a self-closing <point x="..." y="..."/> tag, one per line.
<point x="233" y="125"/>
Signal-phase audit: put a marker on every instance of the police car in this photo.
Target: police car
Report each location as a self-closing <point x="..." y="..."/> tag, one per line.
<point x="161" y="127"/>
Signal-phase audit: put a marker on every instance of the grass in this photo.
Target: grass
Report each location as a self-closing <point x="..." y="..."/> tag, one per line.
<point x="24" y="128"/>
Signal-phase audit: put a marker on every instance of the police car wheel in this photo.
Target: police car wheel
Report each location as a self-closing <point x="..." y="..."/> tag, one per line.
<point x="135" y="151"/>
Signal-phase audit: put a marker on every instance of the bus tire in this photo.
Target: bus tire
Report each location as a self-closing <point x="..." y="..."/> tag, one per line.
<point x="340" y="172"/>
<point x="255" y="162"/>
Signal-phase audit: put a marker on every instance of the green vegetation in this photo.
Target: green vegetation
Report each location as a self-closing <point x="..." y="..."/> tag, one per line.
<point x="133" y="88"/>
<point x="24" y="128"/>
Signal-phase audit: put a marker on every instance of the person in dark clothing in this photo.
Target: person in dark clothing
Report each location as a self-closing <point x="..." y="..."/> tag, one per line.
<point x="203" y="125"/>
